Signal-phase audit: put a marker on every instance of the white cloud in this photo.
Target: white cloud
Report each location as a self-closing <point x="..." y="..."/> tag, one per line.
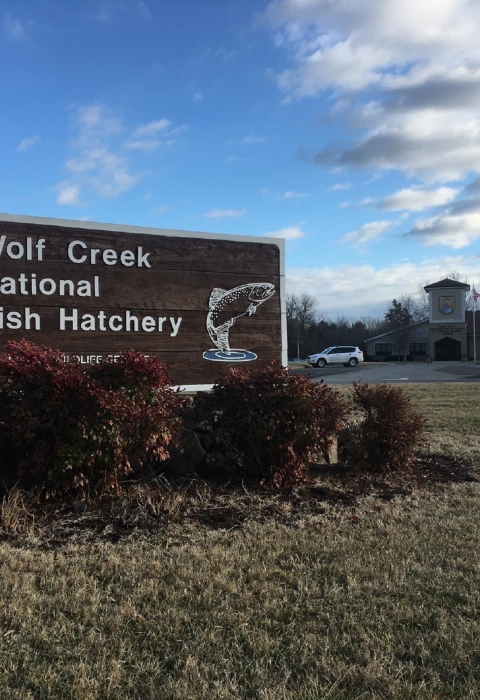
<point x="457" y="226"/>
<point x="374" y="178"/>
<point x="145" y="145"/>
<point x="152" y="128"/>
<point x="366" y="290"/>
<point x="104" y="170"/>
<point x="225" y="54"/>
<point x="408" y="71"/>
<point x="339" y="186"/>
<point x="148" y="137"/>
<point x="231" y="159"/>
<point x="344" y="64"/>
<point x="366" y="233"/>
<point x="197" y="96"/>
<point x="110" y="9"/>
<point x="252" y="139"/>
<point x="14" y="29"/>
<point x="68" y="194"/>
<point x="27" y="143"/>
<point x="143" y="9"/>
<point x="450" y="229"/>
<point x="94" y="122"/>
<point x="103" y="151"/>
<point x="353" y="45"/>
<point x="417" y="198"/>
<point x="225" y="213"/>
<point x="431" y="145"/>
<point x="289" y="233"/>
<point x="117" y="182"/>
<point x="95" y="159"/>
<point x="365" y="202"/>
<point x="294" y="195"/>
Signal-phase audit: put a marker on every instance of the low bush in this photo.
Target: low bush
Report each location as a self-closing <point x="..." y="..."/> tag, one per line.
<point x="133" y="373"/>
<point x="149" y="419"/>
<point x="387" y="432"/>
<point x="69" y="431"/>
<point x="268" y="423"/>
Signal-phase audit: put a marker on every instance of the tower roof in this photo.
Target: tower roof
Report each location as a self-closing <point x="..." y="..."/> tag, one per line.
<point x="447" y="284"/>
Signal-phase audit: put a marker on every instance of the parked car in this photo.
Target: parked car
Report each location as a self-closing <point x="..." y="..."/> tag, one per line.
<point x="346" y="355"/>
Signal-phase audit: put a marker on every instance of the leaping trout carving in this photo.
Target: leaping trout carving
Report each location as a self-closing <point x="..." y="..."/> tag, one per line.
<point x="225" y="306"/>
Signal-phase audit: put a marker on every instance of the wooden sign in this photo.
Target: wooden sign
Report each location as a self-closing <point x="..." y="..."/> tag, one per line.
<point x="199" y="302"/>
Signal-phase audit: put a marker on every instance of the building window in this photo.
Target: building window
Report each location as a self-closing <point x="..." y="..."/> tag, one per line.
<point x="383" y="348"/>
<point x="418" y="349"/>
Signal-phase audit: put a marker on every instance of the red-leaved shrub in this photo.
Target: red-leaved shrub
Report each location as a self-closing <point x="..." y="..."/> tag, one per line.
<point x="131" y="372"/>
<point x="268" y="423"/>
<point x="68" y="431"/>
<point x="150" y="418"/>
<point x="388" y="433"/>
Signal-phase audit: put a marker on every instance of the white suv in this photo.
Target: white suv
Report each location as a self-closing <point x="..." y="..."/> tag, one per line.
<point x="346" y="355"/>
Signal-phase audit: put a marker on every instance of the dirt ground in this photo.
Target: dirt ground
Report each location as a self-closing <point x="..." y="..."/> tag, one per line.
<point x="331" y="491"/>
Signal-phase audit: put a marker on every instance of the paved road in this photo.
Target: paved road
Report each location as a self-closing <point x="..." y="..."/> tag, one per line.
<point x="396" y="372"/>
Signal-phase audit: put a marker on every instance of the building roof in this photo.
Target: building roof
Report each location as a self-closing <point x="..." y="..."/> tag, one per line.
<point x="391" y="332"/>
<point x="448" y="283"/>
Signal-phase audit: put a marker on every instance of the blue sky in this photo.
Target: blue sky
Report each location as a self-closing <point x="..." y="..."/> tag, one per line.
<point x="351" y="129"/>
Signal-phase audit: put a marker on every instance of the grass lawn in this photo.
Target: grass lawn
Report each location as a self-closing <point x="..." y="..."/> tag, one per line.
<point x="346" y="588"/>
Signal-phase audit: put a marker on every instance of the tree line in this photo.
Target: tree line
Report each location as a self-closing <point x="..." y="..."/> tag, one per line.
<point x="309" y="331"/>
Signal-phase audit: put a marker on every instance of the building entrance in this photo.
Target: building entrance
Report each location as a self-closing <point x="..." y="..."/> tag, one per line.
<point x="448" y="349"/>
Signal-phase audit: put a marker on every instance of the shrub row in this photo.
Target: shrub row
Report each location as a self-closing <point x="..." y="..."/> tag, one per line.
<point x="69" y="431"/>
<point x="388" y="431"/>
<point x="269" y="423"/>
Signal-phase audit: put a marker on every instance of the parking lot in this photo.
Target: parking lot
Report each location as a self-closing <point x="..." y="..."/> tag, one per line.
<point x="395" y="372"/>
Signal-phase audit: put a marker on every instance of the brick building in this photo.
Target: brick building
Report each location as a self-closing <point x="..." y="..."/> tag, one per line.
<point x="447" y="333"/>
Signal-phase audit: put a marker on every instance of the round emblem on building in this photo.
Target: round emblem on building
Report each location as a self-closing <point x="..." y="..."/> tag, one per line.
<point x="446" y="305"/>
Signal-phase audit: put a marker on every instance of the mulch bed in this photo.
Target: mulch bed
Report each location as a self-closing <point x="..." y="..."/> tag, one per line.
<point x="437" y="469"/>
<point x="332" y="490"/>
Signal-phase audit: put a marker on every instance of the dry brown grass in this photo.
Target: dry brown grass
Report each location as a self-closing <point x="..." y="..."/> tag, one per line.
<point x="342" y="589"/>
<point x="453" y="412"/>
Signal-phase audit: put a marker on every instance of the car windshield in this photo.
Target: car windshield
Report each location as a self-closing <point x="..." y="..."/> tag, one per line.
<point x="324" y="352"/>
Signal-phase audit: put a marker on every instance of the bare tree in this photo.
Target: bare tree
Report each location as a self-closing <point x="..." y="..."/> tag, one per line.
<point x="422" y="302"/>
<point x="455" y="275"/>
<point x="416" y="306"/>
<point x="301" y="317"/>
<point x="373" y="325"/>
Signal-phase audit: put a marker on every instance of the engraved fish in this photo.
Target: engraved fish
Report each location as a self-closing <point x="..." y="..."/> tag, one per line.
<point x="230" y="304"/>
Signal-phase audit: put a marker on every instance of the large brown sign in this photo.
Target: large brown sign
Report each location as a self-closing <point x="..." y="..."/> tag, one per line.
<point x="199" y="302"/>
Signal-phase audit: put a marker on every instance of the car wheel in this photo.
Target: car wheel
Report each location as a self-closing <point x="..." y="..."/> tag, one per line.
<point x="353" y="362"/>
<point x="321" y="362"/>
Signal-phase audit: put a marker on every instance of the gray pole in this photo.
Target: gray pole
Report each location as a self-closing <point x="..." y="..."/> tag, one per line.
<point x="474" y="335"/>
